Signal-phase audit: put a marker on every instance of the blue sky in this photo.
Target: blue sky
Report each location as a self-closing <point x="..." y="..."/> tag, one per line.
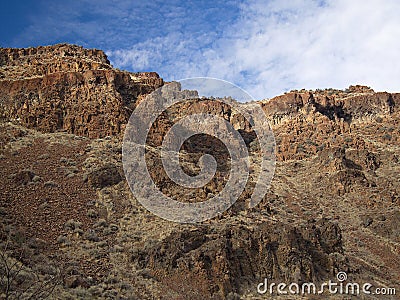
<point x="266" y="47"/>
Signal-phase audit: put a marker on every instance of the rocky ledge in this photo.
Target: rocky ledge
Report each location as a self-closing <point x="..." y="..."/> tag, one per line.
<point x="69" y="88"/>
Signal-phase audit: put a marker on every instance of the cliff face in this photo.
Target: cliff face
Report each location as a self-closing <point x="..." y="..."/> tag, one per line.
<point x="72" y="89"/>
<point x="343" y="106"/>
<point x="68" y="88"/>
<point x="306" y="122"/>
<point x="43" y="60"/>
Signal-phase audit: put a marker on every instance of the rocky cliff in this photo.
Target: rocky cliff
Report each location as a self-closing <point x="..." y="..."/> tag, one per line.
<point x="68" y="88"/>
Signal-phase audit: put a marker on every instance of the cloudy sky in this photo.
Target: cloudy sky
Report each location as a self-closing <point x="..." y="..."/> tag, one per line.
<point x="266" y="47"/>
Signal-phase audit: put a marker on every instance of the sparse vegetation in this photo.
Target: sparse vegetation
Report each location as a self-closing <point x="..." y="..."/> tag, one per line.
<point x="70" y="227"/>
<point x="19" y="281"/>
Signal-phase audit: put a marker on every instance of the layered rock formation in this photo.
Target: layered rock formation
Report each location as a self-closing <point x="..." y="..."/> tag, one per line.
<point x="68" y="88"/>
<point x="307" y="122"/>
<point x="36" y="62"/>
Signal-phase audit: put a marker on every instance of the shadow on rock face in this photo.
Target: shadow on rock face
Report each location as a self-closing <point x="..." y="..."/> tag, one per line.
<point x="233" y="258"/>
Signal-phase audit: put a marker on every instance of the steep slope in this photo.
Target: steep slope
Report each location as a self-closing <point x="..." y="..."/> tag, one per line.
<point x="64" y="204"/>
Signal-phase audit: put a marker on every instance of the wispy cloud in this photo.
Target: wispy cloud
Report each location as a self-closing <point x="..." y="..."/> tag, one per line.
<point x="123" y="24"/>
<point x="280" y="45"/>
<point x="310" y="44"/>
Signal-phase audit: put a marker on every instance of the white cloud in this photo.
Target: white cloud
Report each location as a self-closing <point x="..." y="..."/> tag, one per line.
<point x="280" y="45"/>
<point x="175" y="56"/>
<point x="307" y="45"/>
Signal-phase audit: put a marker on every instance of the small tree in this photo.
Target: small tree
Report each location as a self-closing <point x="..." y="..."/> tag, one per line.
<point x="18" y="281"/>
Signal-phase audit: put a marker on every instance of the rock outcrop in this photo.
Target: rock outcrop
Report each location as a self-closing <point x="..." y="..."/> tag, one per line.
<point x="306" y="122"/>
<point x="68" y="88"/>
<point x="23" y="63"/>
<point x="233" y="258"/>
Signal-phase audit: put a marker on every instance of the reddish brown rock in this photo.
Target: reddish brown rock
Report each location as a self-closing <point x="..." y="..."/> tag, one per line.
<point x="22" y="63"/>
<point x="337" y="163"/>
<point x="236" y="257"/>
<point x="86" y="98"/>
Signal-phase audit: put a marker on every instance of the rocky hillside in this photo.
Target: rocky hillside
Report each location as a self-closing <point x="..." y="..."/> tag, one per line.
<point x="71" y="228"/>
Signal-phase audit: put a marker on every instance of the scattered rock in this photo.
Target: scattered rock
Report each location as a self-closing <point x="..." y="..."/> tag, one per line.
<point x="63" y="240"/>
<point x="113" y="227"/>
<point x="44" y="156"/>
<point x="101" y="223"/>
